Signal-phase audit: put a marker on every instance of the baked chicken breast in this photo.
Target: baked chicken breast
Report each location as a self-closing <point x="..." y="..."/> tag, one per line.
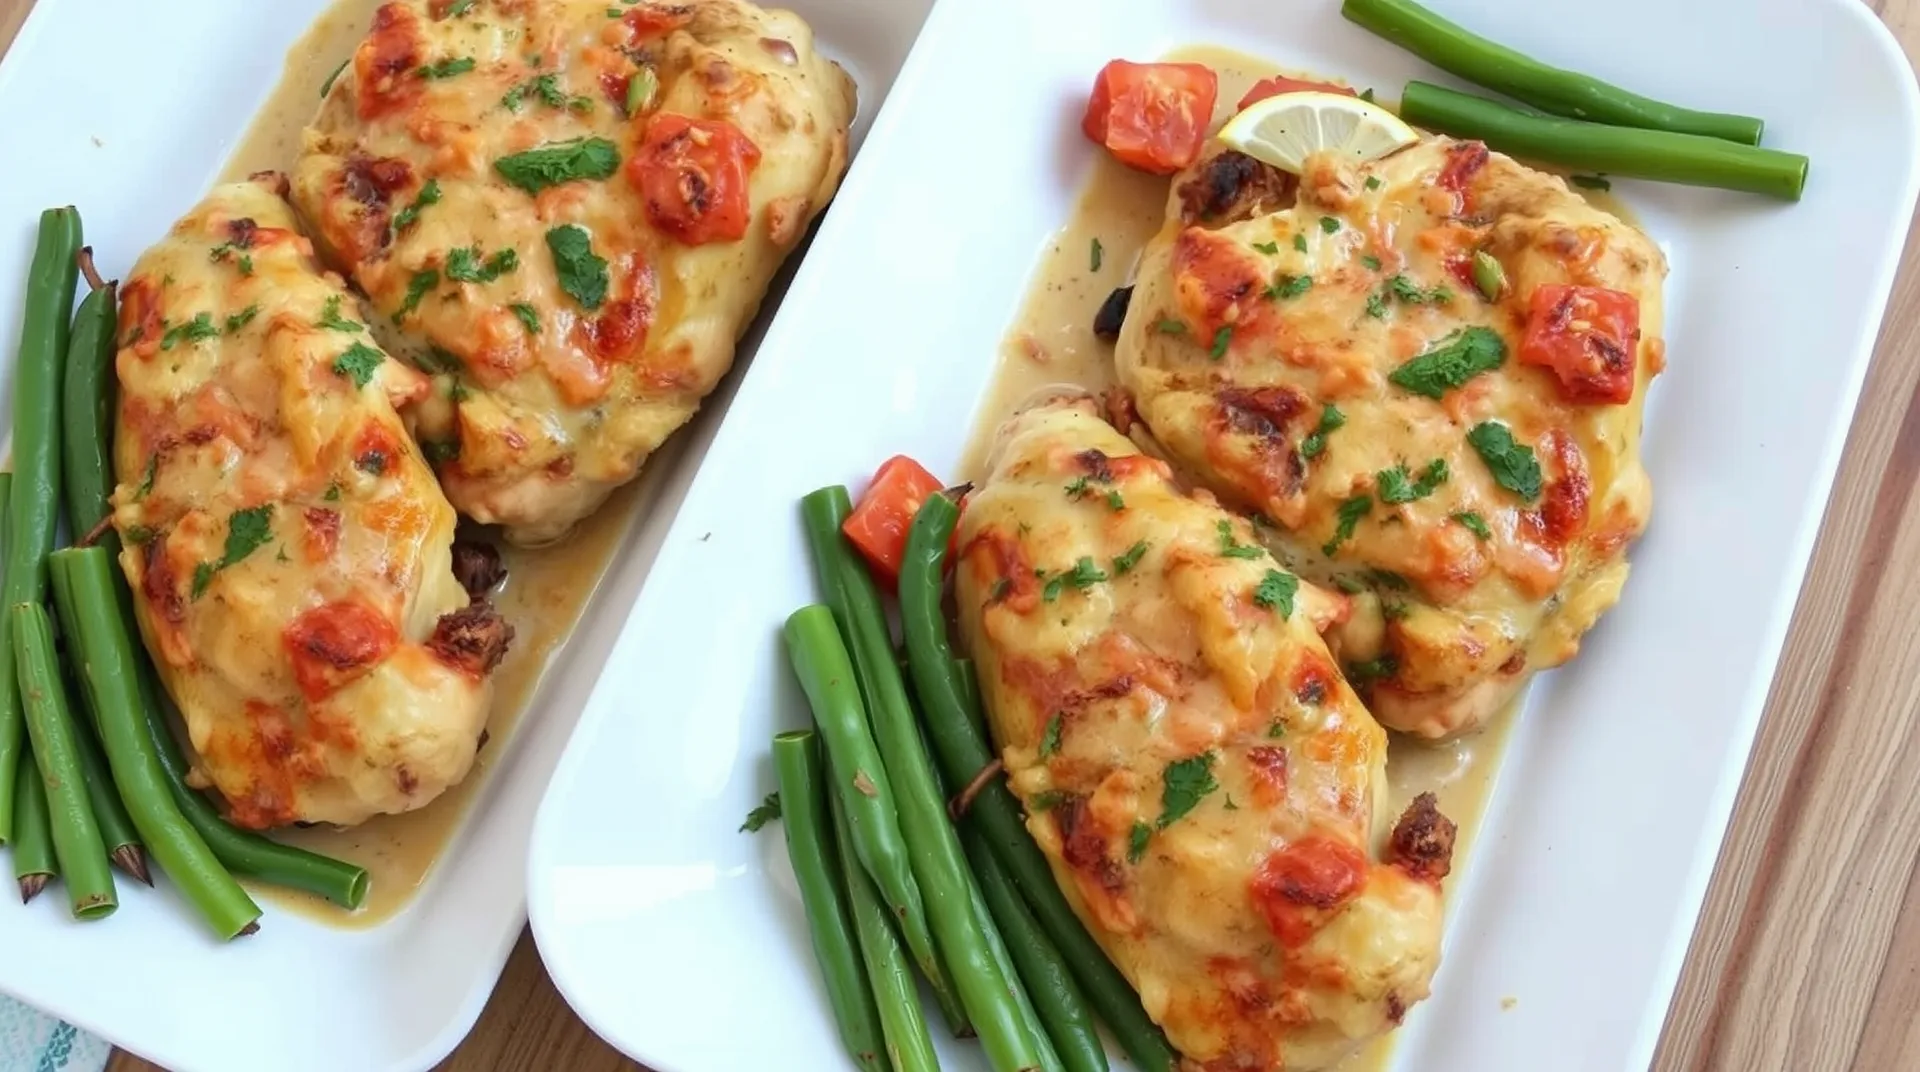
<point x="288" y="549"/>
<point x="567" y="212"/>
<point x="1203" y="781"/>
<point x="1427" y="372"/>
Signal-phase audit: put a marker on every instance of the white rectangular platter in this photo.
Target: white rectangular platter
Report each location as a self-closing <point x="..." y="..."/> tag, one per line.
<point x="129" y="110"/>
<point x="684" y="943"/>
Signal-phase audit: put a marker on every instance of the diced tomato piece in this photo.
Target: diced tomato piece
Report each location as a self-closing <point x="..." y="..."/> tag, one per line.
<point x="1588" y="337"/>
<point x="1152" y="116"/>
<point x="1298" y="887"/>
<point x="693" y="175"/>
<point x="1278" y="84"/>
<point x="878" y="525"/>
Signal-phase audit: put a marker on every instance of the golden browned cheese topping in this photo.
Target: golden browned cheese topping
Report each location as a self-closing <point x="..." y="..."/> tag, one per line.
<point x="287" y="546"/>
<point x="1427" y="372"/>
<point x="1203" y="781"/>
<point x="566" y="212"/>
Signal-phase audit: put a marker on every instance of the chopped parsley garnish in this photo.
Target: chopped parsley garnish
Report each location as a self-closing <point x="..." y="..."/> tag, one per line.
<point x="1169" y="326"/>
<point x="765" y="812"/>
<point x="1187" y="782"/>
<point x="547" y="88"/>
<point x="1408" y="291"/>
<point x="529" y="316"/>
<point x="1129" y="558"/>
<point x="439" y="362"/>
<point x="423" y="281"/>
<point x="1094" y="255"/>
<point x="406" y="217"/>
<point x="640" y="89"/>
<point x="1137" y="839"/>
<point x="333" y="493"/>
<point x="1458" y="358"/>
<point x="199" y="328"/>
<point x="1386" y="578"/>
<point x="202" y="577"/>
<point x="465" y="266"/>
<point x="331" y="319"/>
<point x="140" y="535"/>
<point x="1590" y="182"/>
<point x="1474" y="523"/>
<point x="1077" y="488"/>
<point x="560" y="162"/>
<point x="1393" y="610"/>
<point x="1275" y="592"/>
<point x="1289" y="286"/>
<point x="1512" y="463"/>
<point x="1083" y="575"/>
<point x="1329" y="225"/>
<point x="146" y="480"/>
<point x="1276" y="729"/>
<point x="1374" y="669"/>
<point x="1046" y="800"/>
<point x="326" y="87"/>
<point x="1331" y="420"/>
<point x="1221" y="340"/>
<point x="583" y="274"/>
<point x="1300" y="242"/>
<point x="1232" y="548"/>
<point x="1346" y="520"/>
<point x="1115" y="501"/>
<point x="358" y="363"/>
<point x="447" y="68"/>
<point x="459" y="8"/>
<point x="1371" y="262"/>
<point x="242" y="318"/>
<point x="1397" y="485"/>
<point x="1373" y="182"/>
<point x="247" y="532"/>
<point x="1050" y="739"/>
<point x="1268" y="248"/>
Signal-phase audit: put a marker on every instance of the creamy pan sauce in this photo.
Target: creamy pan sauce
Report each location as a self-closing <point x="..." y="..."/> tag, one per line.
<point x="1052" y="342"/>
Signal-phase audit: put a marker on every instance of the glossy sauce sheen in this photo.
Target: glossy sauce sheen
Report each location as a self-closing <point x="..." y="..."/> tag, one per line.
<point x="1052" y="342"/>
<point x="545" y="593"/>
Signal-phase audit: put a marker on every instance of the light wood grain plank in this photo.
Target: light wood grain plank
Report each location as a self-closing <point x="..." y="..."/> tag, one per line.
<point x="1807" y="957"/>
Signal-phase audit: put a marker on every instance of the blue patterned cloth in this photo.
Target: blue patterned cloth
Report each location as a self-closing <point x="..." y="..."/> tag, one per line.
<point x="33" y="1042"/>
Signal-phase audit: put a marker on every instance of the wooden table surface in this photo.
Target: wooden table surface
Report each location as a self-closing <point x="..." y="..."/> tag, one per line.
<point x="1807" y="957"/>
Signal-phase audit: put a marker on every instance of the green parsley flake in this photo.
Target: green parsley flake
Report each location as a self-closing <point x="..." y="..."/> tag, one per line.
<point x="422" y="282"/>
<point x="1331" y="420"/>
<point x="1346" y="520"/>
<point x="146" y="480"/>
<point x="196" y="330"/>
<point x="1375" y="669"/>
<point x="1137" y="839"/>
<point x="358" y="363"/>
<point x="1169" y="326"/>
<point x="765" y="812"/>
<point x="140" y="535"/>
<point x="1399" y="486"/>
<point x="1474" y="523"/>
<point x="1373" y="182"/>
<point x="331" y="319"/>
<point x="1371" y="262"/>
<point x="583" y="274"/>
<point x="459" y="8"/>
<point x="1186" y="783"/>
<point x="559" y="162"/>
<point x="1077" y="488"/>
<point x="242" y="318"/>
<point x="247" y="532"/>
<point x="1129" y="558"/>
<point x="1094" y="256"/>
<point x="1115" y="501"/>
<point x="529" y="316"/>
<point x="326" y="87"/>
<point x="1050" y="739"/>
<point x="1221" y="340"/>
<point x="1268" y="248"/>
<point x="1289" y="286"/>
<point x="1046" y="801"/>
<point x="202" y="578"/>
<point x="1300" y="242"/>
<point x="439" y="362"/>
<point x="464" y="265"/>
<point x="1276" y="729"/>
<point x="1512" y="463"/>
<point x="447" y="68"/>
<point x="1409" y="292"/>
<point x="1458" y="358"/>
<point x="1329" y="225"/>
<point x="333" y="493"/>
<point x="1232" y="548"/>
<point x="406" y="217"/>
<point x="1388" y="579"/>
<point x="1275" y="592"/>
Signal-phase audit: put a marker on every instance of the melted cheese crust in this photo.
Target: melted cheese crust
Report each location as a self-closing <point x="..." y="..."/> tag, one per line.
<point x="287" y="546"/>
<point x="1259" y="927"/>
<point x="542" y="404"/>
<point x="1450" y="625"/>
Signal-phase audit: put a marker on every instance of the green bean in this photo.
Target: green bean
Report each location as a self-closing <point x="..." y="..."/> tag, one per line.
<point x="1003" y="960"/>
<point x="1645" y="154"/>
<point x="33" y="862"/>
<point x="76" y="834"/>
<point x="36" y="489"/>
<point x="104" y="659"/>
<point x="933" y="846"/>
<point x="116" y="828"/>
<point x="817" y="864"/>
<point x="1550" y="89"/>
<point x="826" y="675"/>
<point x="86" y="400"/>
<point x="954" y="730"/>
<point x="889" y="969"/>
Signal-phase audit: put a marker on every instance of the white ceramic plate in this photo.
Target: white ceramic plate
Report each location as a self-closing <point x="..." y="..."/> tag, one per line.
<point x="128" y="109"/>
<point x="683" y="942"/>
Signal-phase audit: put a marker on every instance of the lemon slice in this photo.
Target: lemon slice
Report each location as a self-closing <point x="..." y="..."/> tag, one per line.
<point x="1284" y="130"/>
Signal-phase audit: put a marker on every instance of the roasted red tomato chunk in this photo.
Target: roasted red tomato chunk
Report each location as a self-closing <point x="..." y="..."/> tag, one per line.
<point x="1278" y="84"/>
<point x="1587" y="336"/>
<point x="693" y="175"/>
<point x="878" y="525"/>
<point x="1152" y="116"/>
